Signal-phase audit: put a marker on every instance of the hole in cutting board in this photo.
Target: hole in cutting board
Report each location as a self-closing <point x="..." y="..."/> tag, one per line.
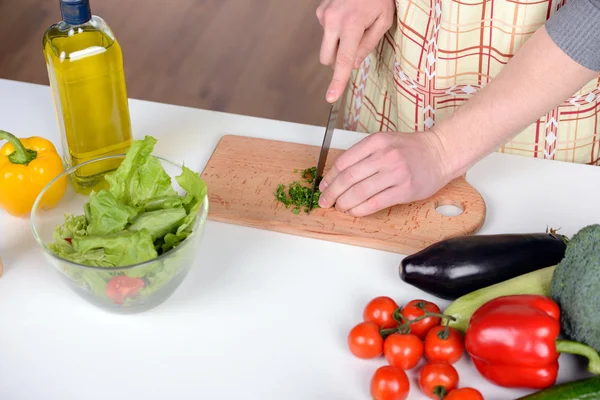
<point x="449" y="208"/>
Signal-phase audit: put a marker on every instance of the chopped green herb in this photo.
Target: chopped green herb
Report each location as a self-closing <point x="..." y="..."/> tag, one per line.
<point x="309" y="174"/>
<point x="298" y="194"/>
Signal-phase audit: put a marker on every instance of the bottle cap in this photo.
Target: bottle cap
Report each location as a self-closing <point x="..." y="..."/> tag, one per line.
<point x="75" y="12"/>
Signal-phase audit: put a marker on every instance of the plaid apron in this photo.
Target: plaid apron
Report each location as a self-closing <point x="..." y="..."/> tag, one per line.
<point x="440" y="52"/>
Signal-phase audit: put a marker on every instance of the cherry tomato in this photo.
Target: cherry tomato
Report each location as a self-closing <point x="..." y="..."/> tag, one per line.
<point x="417" y="308"/>
<point x="122" y="286"/>
<point x="365" y="341"/>
<point x="381" y="310"/>
<point x="389" y="383"/>
<point x="403" y="351"/>
<point x="437" y="379"/>
<point x="464" y="394"/>
<point x="440" y="348"/>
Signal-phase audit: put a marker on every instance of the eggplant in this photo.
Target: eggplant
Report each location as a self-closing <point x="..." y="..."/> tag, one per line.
<point x="454" y="267"/>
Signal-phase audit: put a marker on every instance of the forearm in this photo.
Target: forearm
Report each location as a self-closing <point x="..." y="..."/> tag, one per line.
<point x="538" y="78"/>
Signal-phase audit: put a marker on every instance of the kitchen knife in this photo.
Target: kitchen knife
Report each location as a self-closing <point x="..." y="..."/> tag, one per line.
<point x="330" y="127"/>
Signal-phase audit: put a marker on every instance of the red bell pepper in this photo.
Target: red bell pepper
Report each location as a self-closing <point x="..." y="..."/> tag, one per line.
<point x="512" y="341"/>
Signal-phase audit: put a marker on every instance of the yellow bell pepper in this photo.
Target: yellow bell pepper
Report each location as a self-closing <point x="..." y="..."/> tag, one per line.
<point x="26" y="166"/>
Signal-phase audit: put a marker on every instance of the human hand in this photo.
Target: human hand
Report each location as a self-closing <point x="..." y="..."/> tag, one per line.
<point x="385" y="169"/>
<point x="351" y="30"/>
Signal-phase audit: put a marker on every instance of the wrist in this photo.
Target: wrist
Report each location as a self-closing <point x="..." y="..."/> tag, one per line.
<point x="473" y="131"/>
<point x="447" y="163"/>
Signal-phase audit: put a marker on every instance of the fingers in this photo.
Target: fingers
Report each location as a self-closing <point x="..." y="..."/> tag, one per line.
<point x="347" y="180"/>
<point x="331" y="32"/>
<point x="345" y="44"/>
<point x="382" y="200"/>
<point x="371" y="39"/>
<point x="363" y="190"/>
<point x="321" y="11"/>
<point x="353" y="155"/>
<point x="350" y="40"/>
<point x="329" y="47"/>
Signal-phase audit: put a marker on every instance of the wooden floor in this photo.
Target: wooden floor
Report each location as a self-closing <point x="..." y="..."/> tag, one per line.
<point x="251" y="57"/>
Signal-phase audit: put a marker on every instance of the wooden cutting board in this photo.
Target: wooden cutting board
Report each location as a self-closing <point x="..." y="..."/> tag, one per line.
<point x="243" y="174"/>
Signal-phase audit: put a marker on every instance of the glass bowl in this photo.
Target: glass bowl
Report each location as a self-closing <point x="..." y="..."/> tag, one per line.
<point x="131" y="289"/>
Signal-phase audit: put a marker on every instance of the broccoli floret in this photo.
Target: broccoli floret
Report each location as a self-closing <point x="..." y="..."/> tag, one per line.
<point x="575" y="287"/>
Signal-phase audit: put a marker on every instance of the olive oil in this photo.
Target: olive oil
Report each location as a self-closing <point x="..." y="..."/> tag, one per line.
<point x="85" y="70"/>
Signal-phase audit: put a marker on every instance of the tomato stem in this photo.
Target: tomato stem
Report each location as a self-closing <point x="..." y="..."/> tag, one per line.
<point x="404" y="323"/>
<point x="387" y="332"/>
<point x="440" y="392"/>
<point x="404" y="329"/>
<point x="428" y="314"/>
<point x="445" y="334"/>
<point x="398" y="317"/>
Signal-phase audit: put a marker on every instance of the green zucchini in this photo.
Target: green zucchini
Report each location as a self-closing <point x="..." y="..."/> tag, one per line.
<point x="536" y="282"/>
<point x="582" y="389"/>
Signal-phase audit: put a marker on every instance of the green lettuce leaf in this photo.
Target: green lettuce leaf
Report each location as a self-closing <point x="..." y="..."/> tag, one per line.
<point x="93" y="280"/>
<point x="73" y="226"/>
<point x="161" y="276"/>
<point x="94" y="258"/>
<point x="172" y="240"/>
<point x="64" y="249"/>
<point x="196" y="191"/>
<point x="87" y="212"/>
<point x="140" y="176"/>
<point x="106" y="215"/>
<point x="118" y="249"/>
<point x="163" y="202"/>
<point x="158" y="223"/>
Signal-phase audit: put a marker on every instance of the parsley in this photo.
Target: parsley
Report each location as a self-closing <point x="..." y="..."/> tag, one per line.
<point x="298" y="193"/>
<point x="309" y="174"/>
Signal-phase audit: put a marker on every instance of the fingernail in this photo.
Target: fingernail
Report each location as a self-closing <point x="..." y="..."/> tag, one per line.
<point x="322" y="202"/>
<point x="330" y="95"/>
<point x="323" y="185"/>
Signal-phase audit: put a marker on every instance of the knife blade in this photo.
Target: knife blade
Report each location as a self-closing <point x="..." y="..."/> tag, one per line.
<point x="329" y="129"/>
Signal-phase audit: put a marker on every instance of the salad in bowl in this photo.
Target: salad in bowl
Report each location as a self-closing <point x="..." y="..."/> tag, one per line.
<point x="128" y="244"/>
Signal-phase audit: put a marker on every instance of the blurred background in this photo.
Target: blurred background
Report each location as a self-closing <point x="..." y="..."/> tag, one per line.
<point x="250" y="57"/>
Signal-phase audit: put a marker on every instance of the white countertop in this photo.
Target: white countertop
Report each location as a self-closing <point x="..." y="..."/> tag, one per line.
<point x="254" y="319"/>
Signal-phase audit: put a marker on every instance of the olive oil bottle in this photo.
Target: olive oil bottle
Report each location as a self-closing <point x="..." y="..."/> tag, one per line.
<point x="85" y="70"/>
